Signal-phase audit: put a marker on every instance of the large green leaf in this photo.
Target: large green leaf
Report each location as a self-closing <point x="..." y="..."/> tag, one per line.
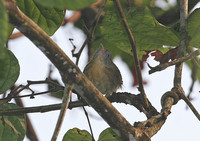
<point x="68" y="4"/>
<point x="12" y="128"/>
<point x="109" y="135"/>
<point x="49" y="19"/>
<point x="3" y="28"/>
<point x="9" y="71"/>
<point x="194" y="28"/>
<point x="76" y="134"/>
<point x="148" y="33"/>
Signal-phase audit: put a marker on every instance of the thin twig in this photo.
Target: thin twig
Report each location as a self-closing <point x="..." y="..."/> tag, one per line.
<point x="64" y="106"/>
<point x="184" y="97"/>
<point x="89" y="123"/>
<point x="134" y="50"/>
<point x="91" y="31"/>
<point x="14" y="93"/>
<point x="177" y="61"/>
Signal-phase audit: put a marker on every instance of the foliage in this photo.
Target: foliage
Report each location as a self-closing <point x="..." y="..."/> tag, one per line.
<point x="69" y="4"/>
<point x="4" y="29"/>
<point x="49" y="19"/>
<point x="108" y="135"/>
<point x="149" y="35"/>
<point x="80" y="135"/>
<point x="194" y="28"/>
<point x="9" y="71"/>
<point x="77" y="135"/>
<point x="12" y="128"/>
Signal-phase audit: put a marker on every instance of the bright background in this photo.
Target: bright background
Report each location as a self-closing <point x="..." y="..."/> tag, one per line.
<point x="180" y="125"/>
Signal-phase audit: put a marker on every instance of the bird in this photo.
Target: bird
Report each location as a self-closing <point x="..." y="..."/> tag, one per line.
<point x="103" y="73"/>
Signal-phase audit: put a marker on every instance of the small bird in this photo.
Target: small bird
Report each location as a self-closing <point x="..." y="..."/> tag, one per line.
<point x="103" y="73"/>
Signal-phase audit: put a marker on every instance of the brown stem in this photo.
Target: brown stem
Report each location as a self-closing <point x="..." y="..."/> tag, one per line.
<point x="134" y="50"/>
<point x="184" y="97"/>
<point x="183" y="41"/>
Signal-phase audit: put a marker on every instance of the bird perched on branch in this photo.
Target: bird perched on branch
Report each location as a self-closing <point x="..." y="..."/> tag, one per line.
<point x="103" y="73"/>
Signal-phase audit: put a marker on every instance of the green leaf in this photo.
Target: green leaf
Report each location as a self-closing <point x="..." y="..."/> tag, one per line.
<point x="12" y="128"/>
<point x="148" y="33"/>
<point x="68" y="4"/>
<point x="10" y="30"/>
<point x="9" y="71"/>
<point x="109" y="135"/>
<point x="194" y="28"/>
<point x="76" y="134"/>
<point x="3" y="25"/>
<point x="49" y="19"/>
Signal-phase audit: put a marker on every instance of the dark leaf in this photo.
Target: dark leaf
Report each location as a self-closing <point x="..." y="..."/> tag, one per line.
<point x="68" y="4"/>
<point x="9" y="71"/>
<point x="49" y="19"/>
<point x="12" y="128"/>
<point x="76" y="134"/>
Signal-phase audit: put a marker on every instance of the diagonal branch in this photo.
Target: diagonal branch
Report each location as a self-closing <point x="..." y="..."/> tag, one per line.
<point x="133" y="45"/>
<point x="70" y="72"/>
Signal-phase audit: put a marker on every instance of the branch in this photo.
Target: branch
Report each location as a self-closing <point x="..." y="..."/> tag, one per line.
<point x="15" y="92"/>
<point x="185" y="98"/>
<point x="183" y="41"/>
<point x="70" y="72"/>
<point x="182" y="48"/>
<point x="177" y="61"/>
<point x="126" y="98"/>
<point x="64" y="106"/>
<point x="134" y="50"/>
<point x="153" y="125"/>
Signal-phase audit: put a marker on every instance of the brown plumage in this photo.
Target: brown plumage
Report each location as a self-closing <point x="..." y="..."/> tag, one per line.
<point x="103" y="73"/>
